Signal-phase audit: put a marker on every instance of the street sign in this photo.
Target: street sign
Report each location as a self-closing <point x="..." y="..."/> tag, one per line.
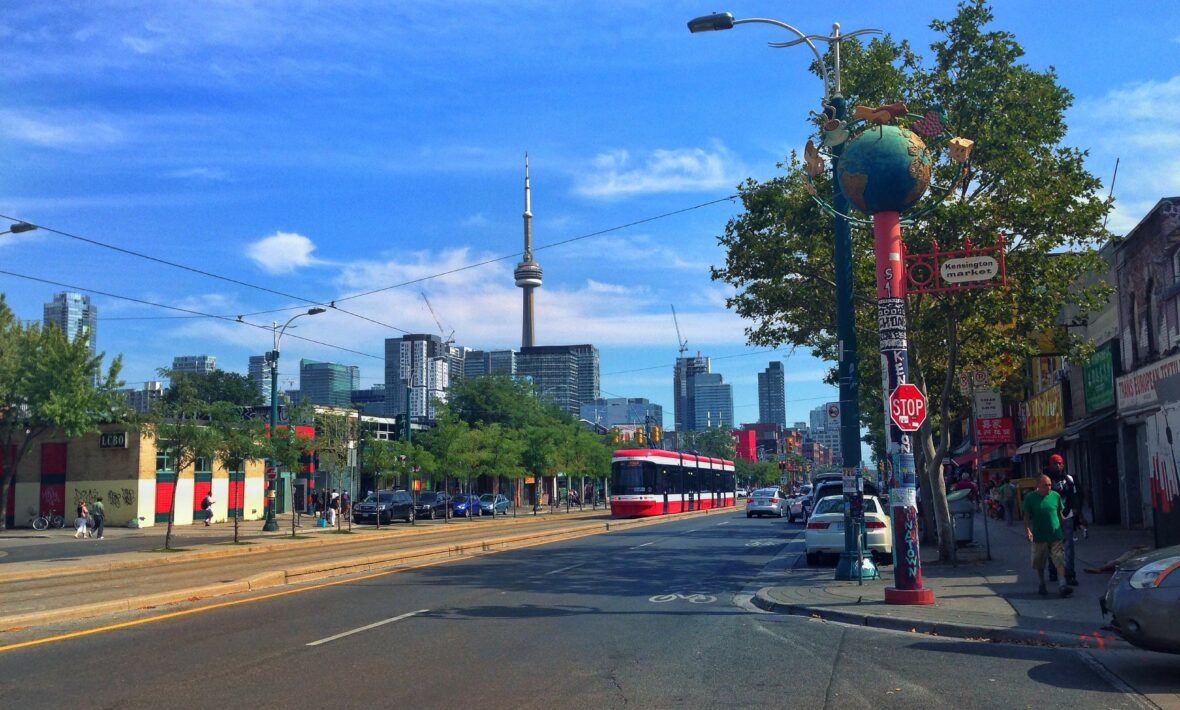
<point x="969" y="268"/>
<point x="907" y="407"/>
<point x="833" y="410"/>
<point x="988" y="405"/>
<point x="271" y="473"/>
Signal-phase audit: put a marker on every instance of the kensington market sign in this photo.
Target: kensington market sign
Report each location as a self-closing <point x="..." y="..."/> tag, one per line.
<point x="1137" y="390"/>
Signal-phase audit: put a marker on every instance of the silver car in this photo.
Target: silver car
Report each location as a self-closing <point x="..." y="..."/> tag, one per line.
<point x="766" y="501"/>
<point x="1142" y="599"/>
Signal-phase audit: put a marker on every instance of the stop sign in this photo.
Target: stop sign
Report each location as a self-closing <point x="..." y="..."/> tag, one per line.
<point x="907" y="407"/>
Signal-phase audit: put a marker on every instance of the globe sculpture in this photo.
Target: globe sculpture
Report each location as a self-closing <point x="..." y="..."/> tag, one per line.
<point x="884" y="169"/>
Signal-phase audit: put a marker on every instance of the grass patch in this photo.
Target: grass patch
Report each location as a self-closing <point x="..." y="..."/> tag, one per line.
<point x="344" y="531"/>
<point x="171" y="549"/>
<point x="231" y="542"/>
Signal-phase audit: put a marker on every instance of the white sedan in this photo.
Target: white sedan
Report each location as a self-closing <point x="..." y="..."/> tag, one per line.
<point x="825" y="530"/>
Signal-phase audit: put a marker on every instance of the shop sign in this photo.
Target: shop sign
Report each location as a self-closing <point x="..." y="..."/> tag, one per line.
<point x="113" y="440"/>
<point x="988" y="404"/>
<point x="994" y="431"/>
<point x="1045" y="415"/>
<point x="1098" y="379"/>
<point x="1137" y="389"/>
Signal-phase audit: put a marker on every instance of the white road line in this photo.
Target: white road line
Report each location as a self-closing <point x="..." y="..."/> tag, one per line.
<point x="643" y="545"/>
<point x="370" y="626"/>
<point x="727" y="522"/>
<point x="563" y="569"/>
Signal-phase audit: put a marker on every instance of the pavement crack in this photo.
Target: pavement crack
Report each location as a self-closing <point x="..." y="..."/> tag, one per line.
<point x="832" y="671"/>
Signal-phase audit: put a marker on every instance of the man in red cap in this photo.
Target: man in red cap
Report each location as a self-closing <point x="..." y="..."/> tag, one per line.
<point x="1071" y="498"/>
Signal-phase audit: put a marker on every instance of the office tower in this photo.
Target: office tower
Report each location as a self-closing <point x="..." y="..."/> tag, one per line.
<point x="370" y="401"/>
<point x="528" y="272"/>
<point x="194" y="364"/>
<point x="141" y="400"/>
<point x="622" y="410"/>
<point x="712" y="402"/>
<point x="772" y="395"/>
<point x="75" y="316"/>
<point x="489" y="362"/>
<point x="683" y="405"/>
<point x="416" y="365"/>
<point x="259" y="375"/>
<point x="566" y="375"/>
<point x="328" y="383"/>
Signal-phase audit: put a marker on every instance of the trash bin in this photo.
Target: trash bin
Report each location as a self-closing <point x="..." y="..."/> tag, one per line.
<point x="962" y="515"/>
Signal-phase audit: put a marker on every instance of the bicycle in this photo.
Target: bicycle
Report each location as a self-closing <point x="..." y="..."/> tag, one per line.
<point x="48" y="520"/>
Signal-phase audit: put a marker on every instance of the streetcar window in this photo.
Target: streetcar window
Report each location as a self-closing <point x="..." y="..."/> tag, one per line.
<point x="632" y="477"/>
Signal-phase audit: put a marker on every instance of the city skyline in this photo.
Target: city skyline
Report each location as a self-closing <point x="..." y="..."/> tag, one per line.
<point x="322" y="154"/>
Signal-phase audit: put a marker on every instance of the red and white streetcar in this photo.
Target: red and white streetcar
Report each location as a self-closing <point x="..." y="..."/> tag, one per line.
<point x="656" y="482"/>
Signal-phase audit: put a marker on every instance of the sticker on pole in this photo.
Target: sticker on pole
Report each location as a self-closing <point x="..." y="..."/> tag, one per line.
<point x="271" y="473"/>
<point x="907" y="407"/>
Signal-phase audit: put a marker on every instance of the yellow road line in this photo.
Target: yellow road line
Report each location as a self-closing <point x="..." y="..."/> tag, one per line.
<point x="235" y="602"/>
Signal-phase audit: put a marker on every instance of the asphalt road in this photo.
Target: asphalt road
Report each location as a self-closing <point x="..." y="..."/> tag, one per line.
<point x="648" y="617"/>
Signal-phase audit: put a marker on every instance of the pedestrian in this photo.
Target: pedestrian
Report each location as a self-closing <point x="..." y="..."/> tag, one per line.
<point x="82" y="521"/>
<point x="1071" y="498"/>
<point x="1007" y="493"/>
<point x="1044" y="525"/>
<point x="100" y="514"/>
<point x="333" y="505"/>
<point x="346" y="505"/>
<point x="207" y="507"/>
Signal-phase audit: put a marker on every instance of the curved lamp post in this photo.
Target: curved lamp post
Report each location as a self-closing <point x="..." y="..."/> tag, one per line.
<point x="853" y="564"/>
<point x="18" y="227"/>
<point x="272" y="357"/>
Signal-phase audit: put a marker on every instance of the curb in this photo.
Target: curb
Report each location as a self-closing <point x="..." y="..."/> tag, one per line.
<point x="995" y="634"/>
<point x="324" y="570"/>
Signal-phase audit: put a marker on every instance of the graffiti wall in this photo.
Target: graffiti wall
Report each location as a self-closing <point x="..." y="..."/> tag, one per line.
<point x="1163" y="473"/>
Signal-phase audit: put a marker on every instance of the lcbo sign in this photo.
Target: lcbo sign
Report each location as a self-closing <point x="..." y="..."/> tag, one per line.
<point x="907" y="407"/>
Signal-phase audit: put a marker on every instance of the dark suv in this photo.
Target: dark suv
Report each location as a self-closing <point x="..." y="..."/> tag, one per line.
<point x="386" y="504"/>
<point x="431" y="505"/>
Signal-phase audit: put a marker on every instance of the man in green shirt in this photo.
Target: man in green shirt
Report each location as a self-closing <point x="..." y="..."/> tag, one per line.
<point x="99" y="513"/>
<point x="1044" y="525"/>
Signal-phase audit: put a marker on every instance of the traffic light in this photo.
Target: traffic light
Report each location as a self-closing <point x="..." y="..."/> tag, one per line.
<point x="639" y="437"/>
<point x="656" y="434"/>
<point x="616" y="435"/>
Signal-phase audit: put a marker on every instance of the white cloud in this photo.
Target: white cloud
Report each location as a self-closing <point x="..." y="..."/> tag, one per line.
<point x="210" y="174"/>
<point x="604" y="288"/>
<point x="478" y="219"/>
<point x="282" y="252"/>
<point x="662" y="170"/>
<point x="61" y="130"/>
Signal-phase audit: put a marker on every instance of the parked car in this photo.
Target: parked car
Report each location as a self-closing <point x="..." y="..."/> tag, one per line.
<point x="386" y="505"/>
<point x="824" y="533"/>
<point x="742" y="492"/>
<point x="765" y="501"/>
<point x="825" y="487"/>
<point x="799" y="506"/>
<point x="1142" y="598"/>
<point x="431" y="505"/>
<point x="493" y="504"/>
<point x="465" y="505"/>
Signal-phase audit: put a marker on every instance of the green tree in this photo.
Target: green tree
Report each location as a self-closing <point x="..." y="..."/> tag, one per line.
<point x="716" y="442"/>
<point x="219" y="386"/>
<point x="238" y="440"/>
<point x="1021" y="183"/>
<point x="336" y="435"/>
<point x="288" y="447"/>
<point x="47" y="384"/>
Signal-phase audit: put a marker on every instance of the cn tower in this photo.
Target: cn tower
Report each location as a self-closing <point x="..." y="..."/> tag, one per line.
<point x="528" y="272"/>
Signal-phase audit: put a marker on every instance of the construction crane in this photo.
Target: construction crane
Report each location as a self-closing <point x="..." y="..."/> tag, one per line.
<point x="447" y="339"/>
<point x="683" y="343"/>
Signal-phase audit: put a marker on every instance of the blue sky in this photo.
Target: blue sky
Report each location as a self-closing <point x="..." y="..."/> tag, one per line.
<point x="325" y="149"/>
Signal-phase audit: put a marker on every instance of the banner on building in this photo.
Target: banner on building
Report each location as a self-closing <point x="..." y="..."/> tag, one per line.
<point x="1045" y="415"/>
<point x="1098" y="379"/>
<point x="1137" y="389"/>
<point x="995" y="431"/>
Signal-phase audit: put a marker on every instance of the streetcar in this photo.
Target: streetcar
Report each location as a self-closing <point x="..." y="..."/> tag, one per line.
<point x="657" y="482"/>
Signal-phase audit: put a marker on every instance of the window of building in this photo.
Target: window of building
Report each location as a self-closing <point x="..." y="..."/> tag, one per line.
<point x="163" y="458"/>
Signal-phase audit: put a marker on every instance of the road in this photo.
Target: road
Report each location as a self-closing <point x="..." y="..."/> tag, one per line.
<point x="654" y="617"/>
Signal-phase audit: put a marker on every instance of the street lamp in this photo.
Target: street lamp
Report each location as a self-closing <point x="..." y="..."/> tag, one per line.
<point x="18" y="227"/>
<point x="852" y="564"/>
<point x="272" y="357"/>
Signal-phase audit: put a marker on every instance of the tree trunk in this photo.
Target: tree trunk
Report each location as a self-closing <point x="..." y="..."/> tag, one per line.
<point x="934" y="455"/>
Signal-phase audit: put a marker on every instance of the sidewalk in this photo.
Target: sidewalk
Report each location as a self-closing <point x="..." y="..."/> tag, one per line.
<point x="992" y="599"/>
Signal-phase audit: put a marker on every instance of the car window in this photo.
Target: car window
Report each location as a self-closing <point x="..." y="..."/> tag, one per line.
<point x="871" y="505"/>
<point x="427" y="497"/>
<point x="830" y="505"/>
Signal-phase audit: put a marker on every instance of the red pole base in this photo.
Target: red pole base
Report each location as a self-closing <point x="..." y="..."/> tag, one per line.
<point x="893" y="595"/>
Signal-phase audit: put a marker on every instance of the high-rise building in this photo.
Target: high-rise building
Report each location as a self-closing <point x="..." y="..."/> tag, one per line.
<point x="712" y="402"/>
<point x="819" y="418"/>
<point x="489" y="362"/>
<point x="566" y="375"/>
<point x="772" y="395"/>
<point x="683" y="394"/>
<point x="75" y="316"/>
<point x="141" y="400"/>
<point x="194" y="364"/>
<point x="259" y="375"/>
<point x="370" y="401"/>
<point x="528" y="272"/>
<point x="622" y="410"/>
<point x="417" y="365"/>
<point x="328" y="383"/>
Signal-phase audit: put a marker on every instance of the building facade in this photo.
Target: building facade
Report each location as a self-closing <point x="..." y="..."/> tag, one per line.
<point x="712" y="402"/>
<point x="259" y="374"/>
<point x="683" y="391"/>
<point x="417" y="371"/>
<point x="622" y="410"/>
<point x="328" y="383"/>
<point x="74" y="315"/>
<point x="566" y="375"/>
<point x="489" y="362"/>
<point x="194" y="364"/>
<point x="772" y="395"/>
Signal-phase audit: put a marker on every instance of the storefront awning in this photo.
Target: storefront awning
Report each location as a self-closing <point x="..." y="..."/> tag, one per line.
<point x="970" y="455"/>
<point x="1074" y="430"/>
<point x="1032" y="447"/>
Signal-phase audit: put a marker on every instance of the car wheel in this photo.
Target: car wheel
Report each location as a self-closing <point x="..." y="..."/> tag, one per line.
<point x="749" y="515"/>
<point x="812" y="558"/>
<point x="410" y="517"/>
